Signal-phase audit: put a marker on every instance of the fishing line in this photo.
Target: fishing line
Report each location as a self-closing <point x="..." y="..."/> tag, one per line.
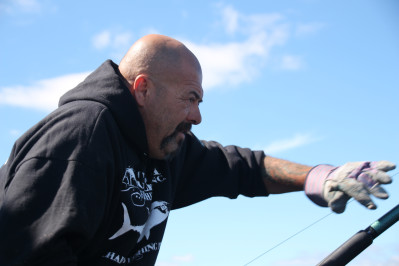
<point x="297" y="233"/>
<point x="285" y="240"/>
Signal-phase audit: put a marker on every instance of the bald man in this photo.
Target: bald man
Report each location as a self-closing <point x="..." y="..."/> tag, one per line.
<point x="93" y="182"/>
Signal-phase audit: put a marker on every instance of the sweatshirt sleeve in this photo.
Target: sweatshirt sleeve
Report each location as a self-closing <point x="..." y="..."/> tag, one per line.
<point x="210" y="169"/>
<point x="54" y="193"/>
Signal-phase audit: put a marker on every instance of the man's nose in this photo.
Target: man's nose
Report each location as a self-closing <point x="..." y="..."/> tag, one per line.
<point x="195" y="115"/>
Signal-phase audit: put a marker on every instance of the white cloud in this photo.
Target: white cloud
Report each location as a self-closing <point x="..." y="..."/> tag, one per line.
<point x="309" y="28"/>
<point x="149" y="30"/>
<point x="166" y="263"/>
<point x="236" y="22"/>
<point x="24" y="6"/>
<point x="263" y="22"/>
<point x="28" y="4"/>
<point x="298" y="262"/>
<point x="230" y="19"/>
<point x="231" y="63"/>
<point x="290" y="62"/>
<point x="15" y="133"/>
<point x="287" y="144"/>
<point x="102" y="40"/>
<point x="177" y="261"/>
<point x="185" y="258"/>
<point x="380" y="256"/>
<point x="110" y="39"/>
<point x="43" y="94"/>
<point x="122" y="40"/>
<point x="224" y="64"/>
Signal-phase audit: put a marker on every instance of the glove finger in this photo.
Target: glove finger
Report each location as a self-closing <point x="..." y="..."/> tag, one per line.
<point x="335" y="198"/>
<point x="367" y="179"/>
<point x="383" y="165"/>
<point x="349" y="170"/>
<point x="378" y="176"/>
<point x="379" y="192"/>
<point x="358" y="191"/>
<point x="338" y="202"/>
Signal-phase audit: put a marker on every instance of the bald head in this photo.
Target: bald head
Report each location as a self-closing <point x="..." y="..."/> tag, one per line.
<point x="158" y="56"/>
<point x="165" y="79"/>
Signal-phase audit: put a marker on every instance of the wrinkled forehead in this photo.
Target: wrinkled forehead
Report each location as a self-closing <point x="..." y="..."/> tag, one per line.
<point x="186" y="70"/>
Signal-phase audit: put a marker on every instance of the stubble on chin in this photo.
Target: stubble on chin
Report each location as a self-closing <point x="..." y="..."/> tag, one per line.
<point x="171" y="140"/>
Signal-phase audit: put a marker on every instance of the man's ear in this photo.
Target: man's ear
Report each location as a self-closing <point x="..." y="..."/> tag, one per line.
<point x="140" y="89"/>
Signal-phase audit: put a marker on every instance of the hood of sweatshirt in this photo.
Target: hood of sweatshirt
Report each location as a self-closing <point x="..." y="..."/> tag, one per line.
<point x="106" y="86"/>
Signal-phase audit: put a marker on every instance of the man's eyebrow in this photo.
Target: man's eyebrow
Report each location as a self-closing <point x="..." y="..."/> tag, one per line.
<point x="196" y="95"/>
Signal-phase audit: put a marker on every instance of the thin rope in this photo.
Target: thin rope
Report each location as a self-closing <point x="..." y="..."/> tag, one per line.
<point x="297" y="233"/>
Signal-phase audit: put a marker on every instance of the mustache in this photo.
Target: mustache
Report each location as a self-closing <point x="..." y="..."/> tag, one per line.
<point x="183" y="127"/>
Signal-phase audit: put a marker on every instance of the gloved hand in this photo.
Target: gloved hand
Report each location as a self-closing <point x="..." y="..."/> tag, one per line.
<point x="333" y="186"/>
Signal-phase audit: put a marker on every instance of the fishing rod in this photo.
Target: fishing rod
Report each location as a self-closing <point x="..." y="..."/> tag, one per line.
<point x="355" y="245"/>
<point x="361" y="240"/>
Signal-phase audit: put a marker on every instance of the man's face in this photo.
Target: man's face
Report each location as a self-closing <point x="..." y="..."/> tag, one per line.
<point x="174" y="109"/>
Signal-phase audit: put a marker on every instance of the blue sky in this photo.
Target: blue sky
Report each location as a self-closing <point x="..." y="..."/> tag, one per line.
<point x="305" y="80"/>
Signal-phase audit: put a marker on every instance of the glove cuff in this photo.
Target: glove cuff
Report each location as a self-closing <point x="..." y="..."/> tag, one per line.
<point x="314" y="183"/>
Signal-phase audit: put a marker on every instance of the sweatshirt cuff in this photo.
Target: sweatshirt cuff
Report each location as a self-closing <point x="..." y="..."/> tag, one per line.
<point x="314" y="183"/>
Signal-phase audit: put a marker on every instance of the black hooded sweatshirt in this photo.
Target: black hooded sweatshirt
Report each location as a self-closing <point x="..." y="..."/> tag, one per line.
<point x="78" y="188"/>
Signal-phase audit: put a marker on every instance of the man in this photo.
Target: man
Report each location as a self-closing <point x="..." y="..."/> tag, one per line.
<point x="93" y="183"/>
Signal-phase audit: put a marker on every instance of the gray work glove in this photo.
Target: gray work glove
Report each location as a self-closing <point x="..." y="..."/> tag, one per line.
<point x="331" y="186"/>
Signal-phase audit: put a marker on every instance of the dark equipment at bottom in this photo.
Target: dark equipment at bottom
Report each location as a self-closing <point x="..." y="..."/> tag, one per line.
<point x="361" y="240"/>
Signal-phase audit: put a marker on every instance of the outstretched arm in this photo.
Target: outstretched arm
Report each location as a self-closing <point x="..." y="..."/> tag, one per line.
<point x="327" y="185"/>
<point x="280" y="176"/>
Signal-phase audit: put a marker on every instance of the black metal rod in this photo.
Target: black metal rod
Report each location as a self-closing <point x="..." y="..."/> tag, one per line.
<point x="361" y="240"/>
<point x="386" y="221"/>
